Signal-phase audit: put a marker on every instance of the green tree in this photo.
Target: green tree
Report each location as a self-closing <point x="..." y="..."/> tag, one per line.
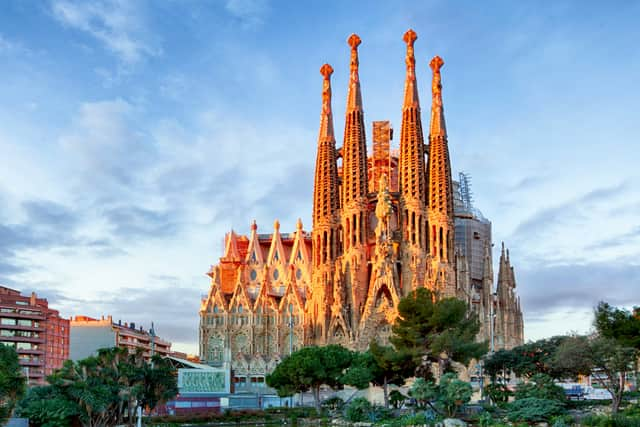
<point x="424" y="392"/>
<point x="440" y="330"/>
<point x="380" y="366"/>
<point x="309" y="368"/>
<point x="538" y="358"/>
<point x="500" y="364"/>
<point x="540" y="386"/>
<point x="12" y="382"/>
<point x="448" y="395"/>
<point x="45" y="407"/>
<point x="573" y="357"/>
<point x="102" y="390"/>
<point x="453" y="393"/>
<point x="498" y="393"/>
<point x="611" y="362"/>
<point x="534" y="410"/>
<point x="619" y="324"/>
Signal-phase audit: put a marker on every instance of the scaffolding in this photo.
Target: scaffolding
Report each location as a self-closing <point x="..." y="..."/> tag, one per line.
<point x="381" y="161"/>
<point x="465" y="191"/>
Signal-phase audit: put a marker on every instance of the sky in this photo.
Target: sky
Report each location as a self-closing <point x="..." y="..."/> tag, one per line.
<point x="135" y="134"/>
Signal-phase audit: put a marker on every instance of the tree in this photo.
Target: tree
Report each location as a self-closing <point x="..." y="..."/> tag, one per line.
<point x="424" y="392"/>
<point x="102" y="390"/>
<point x="440" y="330"/>
<point x="45" y="407"/>
<point x="453" y="393"/>
<point x="12" y="382"/>
<point x="606" y="359"/>
<point x="309" y="368"/>
<point x="381" y="366"/>
<point x="448" y="395"/>
<point x="611" y="362"/>
<point x="540" y="386"/>
<point x="621" y="325"/>
<point x="500" y="364"/>
<point x="527" y="360"/>
<point x="573" y="357"/>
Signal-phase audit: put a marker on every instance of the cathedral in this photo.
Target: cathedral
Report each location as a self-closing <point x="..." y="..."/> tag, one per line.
<point x="384" y="223"/>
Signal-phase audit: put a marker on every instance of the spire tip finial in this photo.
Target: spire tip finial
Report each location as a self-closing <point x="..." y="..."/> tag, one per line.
<point x="410" y="37"/>
<point x="354" y="41"/>
<point x="326" y="70"/>
<point x="436" y="63"/>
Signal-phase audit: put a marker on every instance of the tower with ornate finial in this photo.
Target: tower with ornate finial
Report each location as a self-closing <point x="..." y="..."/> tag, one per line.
<point x="412" y="178"/>
<point x="354" y="194"/>
<point x="326" y="221"/>
<point x="440" y="195"/>
<point x="382" y="226"/>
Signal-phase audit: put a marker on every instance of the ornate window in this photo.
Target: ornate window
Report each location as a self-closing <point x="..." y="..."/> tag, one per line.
<point x="216" y="349"/>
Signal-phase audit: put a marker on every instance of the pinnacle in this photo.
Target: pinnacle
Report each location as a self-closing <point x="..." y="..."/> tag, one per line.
<point x="436" y="63"/>
<point x="326" y="70"/>
<point x="410" y="37"/>
<point x="354" y="41"/>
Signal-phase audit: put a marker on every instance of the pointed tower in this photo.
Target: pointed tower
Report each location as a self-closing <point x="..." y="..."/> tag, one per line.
<point x="440" y="191"/>
<point x="412" y="178"/>
<point x="325" y="217"/>
<point x="354" y="194"/>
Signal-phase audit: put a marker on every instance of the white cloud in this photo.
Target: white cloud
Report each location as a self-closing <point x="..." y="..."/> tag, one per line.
<point x="118" y="24"/>
<point x="251" y="13"/>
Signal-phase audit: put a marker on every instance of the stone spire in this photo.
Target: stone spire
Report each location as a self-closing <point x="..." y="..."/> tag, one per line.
<point x="438" y="126"/>
<point x="325" y="214"/>
<point x="440" y="189"/>
<point x="325" y="191"/>
<point x="354" y="149"/>
<point x="354" y="192"/>
<point x="410" y="85"/>
<point x="412" y="176"/>
<point x="354" y="98"/>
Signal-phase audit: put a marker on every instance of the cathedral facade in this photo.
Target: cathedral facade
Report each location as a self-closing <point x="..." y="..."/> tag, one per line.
<point x="384" y="224"/>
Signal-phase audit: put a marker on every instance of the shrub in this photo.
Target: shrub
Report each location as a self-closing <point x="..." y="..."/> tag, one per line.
<point x="533" y="409"/>
<point x="396" y="399"/>
<point x="498" y="393"/>
<point x="485" y="419"/>
<point x="561" y="421"/>
<point x="359" y="409"/>
<point x="334" y="403"/>
<point x="541" y="387"/>
<point x="420" y="419"/>
<point x="617" y="420"/>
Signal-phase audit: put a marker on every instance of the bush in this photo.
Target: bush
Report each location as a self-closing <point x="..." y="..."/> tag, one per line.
<point x="396" y="399"/>
<point x="561" y="421"/>
<point x="485" y="419"/>
<point x="498" y="393"/>
<point x="632" y="410"/>
<point x="359" y="409"/>
<point x="533" y="409"/>
<point x="540" y="387"/>
<point x="422" y="418"/>
<point x="334" y="403"/>
<point x="618" y="420"/>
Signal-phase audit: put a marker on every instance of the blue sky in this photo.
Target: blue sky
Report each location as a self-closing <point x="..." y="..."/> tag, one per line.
<point x="136" y="133"/>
